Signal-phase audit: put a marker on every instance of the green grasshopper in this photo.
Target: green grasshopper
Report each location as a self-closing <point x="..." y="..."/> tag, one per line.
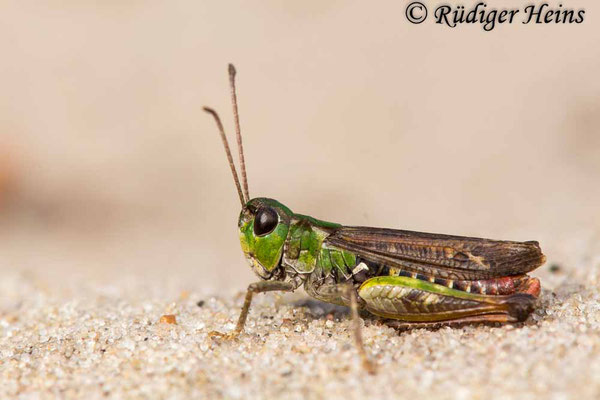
<point x="410" y="279"/>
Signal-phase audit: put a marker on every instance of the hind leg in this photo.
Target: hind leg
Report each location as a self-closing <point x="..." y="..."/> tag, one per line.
<point x="424" y="303"/>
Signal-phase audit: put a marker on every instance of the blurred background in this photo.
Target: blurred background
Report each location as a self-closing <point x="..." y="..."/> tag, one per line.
<point x="109" y="168"/>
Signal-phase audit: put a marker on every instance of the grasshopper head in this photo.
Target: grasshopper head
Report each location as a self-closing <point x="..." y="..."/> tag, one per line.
<point x="263" y="227"/>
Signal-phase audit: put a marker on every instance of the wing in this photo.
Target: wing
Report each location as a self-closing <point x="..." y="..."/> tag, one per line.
<point x="444" y="256"/>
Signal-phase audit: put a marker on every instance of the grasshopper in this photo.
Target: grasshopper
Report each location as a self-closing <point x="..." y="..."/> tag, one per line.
<point x="409" y="279"/>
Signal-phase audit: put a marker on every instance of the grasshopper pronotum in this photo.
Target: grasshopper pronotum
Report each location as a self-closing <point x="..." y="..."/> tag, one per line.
<point x="407" y="278"/>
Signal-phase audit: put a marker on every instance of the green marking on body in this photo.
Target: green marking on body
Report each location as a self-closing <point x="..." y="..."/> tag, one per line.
<point x="293" y="248"/>
<point x="349" y="258"/>
<point x="325" y="261"/>
<point x="317" y="222"/>
<point x="304" y="245"/>
<point x="337" y="260"/>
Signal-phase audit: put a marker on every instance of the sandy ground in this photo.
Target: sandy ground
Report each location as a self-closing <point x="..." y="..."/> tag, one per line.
<point x="84" y="340"/>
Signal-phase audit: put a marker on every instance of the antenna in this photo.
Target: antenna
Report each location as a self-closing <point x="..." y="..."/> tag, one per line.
<point x="228" y="151"/>
<point x="237" y="129"/>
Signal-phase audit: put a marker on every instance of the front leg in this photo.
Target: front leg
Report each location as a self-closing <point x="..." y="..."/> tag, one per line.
<point x="256" y="287"/>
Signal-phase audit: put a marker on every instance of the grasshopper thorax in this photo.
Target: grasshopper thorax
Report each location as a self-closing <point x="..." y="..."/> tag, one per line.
<point x="263" y="227"/>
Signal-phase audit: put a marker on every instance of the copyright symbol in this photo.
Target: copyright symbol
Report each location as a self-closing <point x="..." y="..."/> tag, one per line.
<point x="416" y="12"/>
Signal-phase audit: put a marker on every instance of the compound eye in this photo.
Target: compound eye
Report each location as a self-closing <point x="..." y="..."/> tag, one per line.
<point x="265" y="221"/>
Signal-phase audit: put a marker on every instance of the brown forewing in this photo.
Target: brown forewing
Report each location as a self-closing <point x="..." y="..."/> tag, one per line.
<point x="444" y="256"/>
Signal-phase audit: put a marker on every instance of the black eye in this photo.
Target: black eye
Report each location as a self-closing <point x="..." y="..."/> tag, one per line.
<point x="265" y="221"/>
